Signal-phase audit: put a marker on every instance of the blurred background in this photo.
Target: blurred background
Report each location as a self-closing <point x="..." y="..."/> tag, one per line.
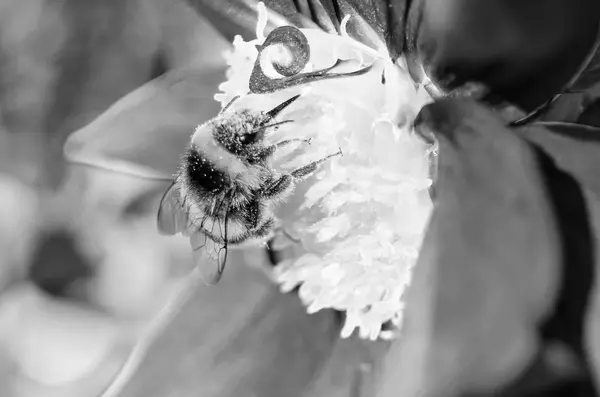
<point x="83" y="271"/>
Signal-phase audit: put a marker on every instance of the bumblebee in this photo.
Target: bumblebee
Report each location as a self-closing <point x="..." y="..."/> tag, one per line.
<point x="225" y="190"/>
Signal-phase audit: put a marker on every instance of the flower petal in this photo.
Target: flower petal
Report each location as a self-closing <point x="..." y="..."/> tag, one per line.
<point x="243" y="338"/>
<point x="576" y="149"/>
<point x="488" y="269"/>
<point x="146" y="132"/>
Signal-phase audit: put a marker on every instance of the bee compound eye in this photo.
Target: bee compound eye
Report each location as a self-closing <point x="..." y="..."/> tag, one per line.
<point x="249" y="138"/>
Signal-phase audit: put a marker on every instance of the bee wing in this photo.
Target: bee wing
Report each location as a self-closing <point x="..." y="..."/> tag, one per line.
<point x="172" y="215"/>
<point x="209" y="256"/>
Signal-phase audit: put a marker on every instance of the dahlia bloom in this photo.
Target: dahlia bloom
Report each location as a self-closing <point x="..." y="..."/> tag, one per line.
<point x="360" y="219"/>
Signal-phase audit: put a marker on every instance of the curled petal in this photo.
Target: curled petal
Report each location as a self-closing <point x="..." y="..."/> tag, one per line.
<point x="297" y="54"/>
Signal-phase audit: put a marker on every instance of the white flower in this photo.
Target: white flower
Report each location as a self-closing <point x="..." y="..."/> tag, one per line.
<point x="361" y="217"/>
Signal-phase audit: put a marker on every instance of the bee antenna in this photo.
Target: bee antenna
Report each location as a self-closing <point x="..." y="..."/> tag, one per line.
<point x="277" y="109"/>
<point x="229" y="104"/>
<point x="262" y="127"/>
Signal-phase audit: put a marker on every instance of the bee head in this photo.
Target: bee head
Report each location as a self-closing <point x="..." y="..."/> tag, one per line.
<point x="243" y="131"/>
<point x="240" y="132"/>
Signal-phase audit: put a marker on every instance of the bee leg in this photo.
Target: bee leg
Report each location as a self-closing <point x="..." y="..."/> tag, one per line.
<point x="253" y="214"/>
<point x="235" y="98"/>
<point x="269" y="151"/>
<point x="288" y="141"/>
<point x="312" y="167"/>
<point x="265" y="229"/>
<point x="278" y="186"/>
<point x="284" y="182"/>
